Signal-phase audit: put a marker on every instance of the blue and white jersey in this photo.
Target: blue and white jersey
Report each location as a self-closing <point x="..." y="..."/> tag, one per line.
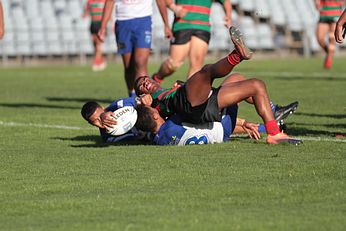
<point x="175" y="132"/>
<point x="129" y="101"/>
<point x="132" y="135"/>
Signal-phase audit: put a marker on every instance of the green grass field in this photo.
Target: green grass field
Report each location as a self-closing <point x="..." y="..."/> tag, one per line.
<point x="57" y="175"/>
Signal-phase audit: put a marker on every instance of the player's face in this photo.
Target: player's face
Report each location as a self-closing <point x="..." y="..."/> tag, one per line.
<point x="95" y="118"/>
<point x="146" y="85"/>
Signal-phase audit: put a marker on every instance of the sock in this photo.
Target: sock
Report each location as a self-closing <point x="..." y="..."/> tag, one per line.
<point x="156" y="78"/>
<point x="262" y="128"/>
<point x="234" y="57"/>
<point x="273" y="106"/>
<point x="272" y="127"/>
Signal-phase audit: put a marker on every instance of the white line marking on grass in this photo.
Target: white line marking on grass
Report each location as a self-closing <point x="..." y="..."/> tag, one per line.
<point x="306" y="138"/>
<point x="15" y="124"/>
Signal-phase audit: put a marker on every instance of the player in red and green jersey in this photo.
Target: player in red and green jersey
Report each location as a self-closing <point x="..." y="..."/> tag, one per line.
<point x="329" y="10"/>
<point x="191" y="35"/>
<point x="197" y="102"/>
<point x="94" y="9"/>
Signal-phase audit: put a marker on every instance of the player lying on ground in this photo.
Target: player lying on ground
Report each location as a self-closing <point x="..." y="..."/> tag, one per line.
<point x="197" y="101"/>
<point x="173" y="131"/>
<point x="95" y="114"/>
<point x="92" y="111"/>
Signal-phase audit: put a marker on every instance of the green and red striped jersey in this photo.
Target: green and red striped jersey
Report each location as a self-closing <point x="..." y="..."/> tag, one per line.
<point x="197" y="17"/>
<point x="95" y="7"/>
<point x="164" y="101"/>
<point x="331" y="9"/>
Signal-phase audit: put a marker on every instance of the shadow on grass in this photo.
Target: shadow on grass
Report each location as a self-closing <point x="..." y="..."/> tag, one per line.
<point x="81" y="100"/>
<point x="97" y="142"/>
<point x="335" y="116"/>
<point x="323" y="125"/>
<point x="34" y="105"/>
<point x="307" y="132"/>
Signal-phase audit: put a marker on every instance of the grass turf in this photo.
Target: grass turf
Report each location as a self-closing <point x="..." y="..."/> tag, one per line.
<point x="64" y="178"/>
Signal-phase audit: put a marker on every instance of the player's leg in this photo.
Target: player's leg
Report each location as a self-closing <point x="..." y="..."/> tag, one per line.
<point x="178" y="51"/>
<point x="235" y="92"/>
<point x="199" y="85"/>
<point x="99" y="62"/>
<point x="141" y="39"/>
<point x="129" y="71"/>
<point x="321" y="32"/>
<point x="331" y="46"/>
<point x="198" y="51"/>
<point x="177" y="55"/>
<point x="232" y="93"/>
<point x="141" y="61"/>
<point x="280" y="112"/>
<point x="125" y="49"/>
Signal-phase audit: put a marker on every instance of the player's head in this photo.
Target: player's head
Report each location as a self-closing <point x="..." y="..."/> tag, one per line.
<point x="145" y="85"/>
<point x="148" y="118"/>
<point x="91" y="112"/>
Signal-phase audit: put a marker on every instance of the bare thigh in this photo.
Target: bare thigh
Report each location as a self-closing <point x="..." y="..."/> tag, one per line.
<point x="331" y="37"/>
<point x="321" y="32"/>
<point x="178" y="53"/>
<point x="234" y="77"/>
<point x="234" y="92"/>
<point x="198" y="51"/>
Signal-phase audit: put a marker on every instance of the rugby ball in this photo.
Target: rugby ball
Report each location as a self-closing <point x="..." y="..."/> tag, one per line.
<point x="126" y="118"/>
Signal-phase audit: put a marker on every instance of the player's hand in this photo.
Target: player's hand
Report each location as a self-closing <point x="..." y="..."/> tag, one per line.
<point x="252" y="130"/>
<point x="168" y="33"/>
<point x="107" y="119"/>
<point x="101" y="34"/>
<point x="227" y="21"/>
<point x="338" y="33"/>
<point x="146" y="99"/>
<point x="181" y="12"/>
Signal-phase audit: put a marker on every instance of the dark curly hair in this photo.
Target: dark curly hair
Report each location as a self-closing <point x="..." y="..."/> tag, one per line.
<point x="145" y="120"/>
<point x="88" y="109"/>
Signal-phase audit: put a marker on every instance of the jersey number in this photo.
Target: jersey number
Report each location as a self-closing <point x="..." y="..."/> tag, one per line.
<point x="197" y="140"/>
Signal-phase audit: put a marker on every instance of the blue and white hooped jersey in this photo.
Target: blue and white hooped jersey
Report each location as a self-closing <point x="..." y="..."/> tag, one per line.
<point x="173" y="132"/>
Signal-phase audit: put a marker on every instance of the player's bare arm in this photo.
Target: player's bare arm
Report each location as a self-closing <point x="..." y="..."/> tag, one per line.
<point x="227" y="6"/>
<point x="106" y="15"/>
<point x="340" y="29"/>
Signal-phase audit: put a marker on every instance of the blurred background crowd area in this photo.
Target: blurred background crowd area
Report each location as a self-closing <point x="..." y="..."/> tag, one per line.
<point x="37" y="29"/>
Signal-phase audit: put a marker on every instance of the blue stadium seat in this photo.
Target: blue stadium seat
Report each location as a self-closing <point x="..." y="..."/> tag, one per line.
<point x="247" y="26"/>
<point x="67" y="34"/>
<point x="37" y="35"/>
<point x="265" y="37"/>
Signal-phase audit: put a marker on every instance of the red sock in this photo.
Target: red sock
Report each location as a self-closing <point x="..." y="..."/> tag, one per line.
<point x="156" y="78"/>
<point x="272" y="127"/>
<point x="234" y="57"/>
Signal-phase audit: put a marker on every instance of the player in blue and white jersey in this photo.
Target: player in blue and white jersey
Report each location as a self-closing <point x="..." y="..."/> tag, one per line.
<point x="93" y="113"/>
<point x="175" y="132"/>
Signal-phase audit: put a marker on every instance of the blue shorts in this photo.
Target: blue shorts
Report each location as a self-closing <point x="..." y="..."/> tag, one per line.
<point x="133" y="33"/>
<point x="229" y="120"/>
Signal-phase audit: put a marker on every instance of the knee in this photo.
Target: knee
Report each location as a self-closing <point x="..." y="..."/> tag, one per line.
<point x="206" y="68"/>
<point x="172" y="64"/>
<point x="258" y="84"/>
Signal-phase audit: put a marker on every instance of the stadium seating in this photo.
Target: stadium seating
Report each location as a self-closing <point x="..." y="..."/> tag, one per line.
<point x="55" y="27"/>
